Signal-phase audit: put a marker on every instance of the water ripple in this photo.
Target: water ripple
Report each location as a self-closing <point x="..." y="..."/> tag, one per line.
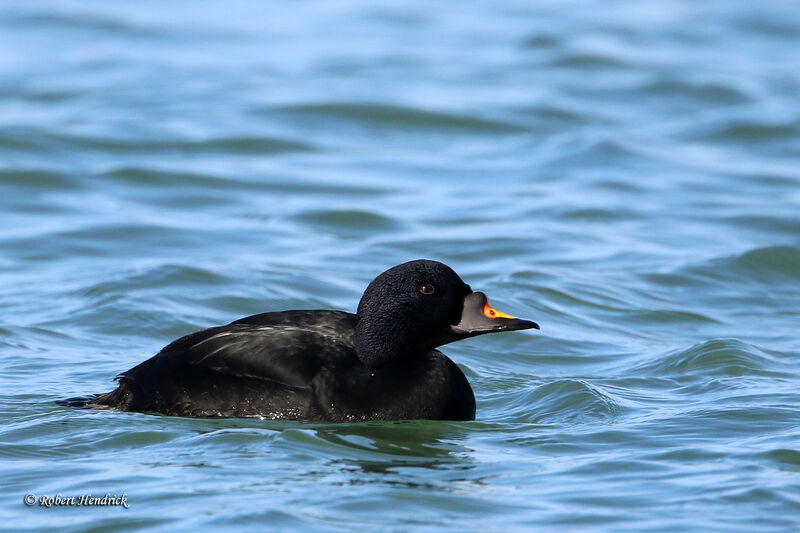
<point x="747" y="132"/>
<point x="788" y="458"/>
<point x="770" y="264"/>
<point x="564" y="401"/>
<point x="257" y="145"/>
<point x="714" y="93"/>
<point x="402" y="117"/>
<point x="349" y="222"/>
<point x="87" y="21"/>
<point x="716" y="357"/>
<point x="38" y="179"/>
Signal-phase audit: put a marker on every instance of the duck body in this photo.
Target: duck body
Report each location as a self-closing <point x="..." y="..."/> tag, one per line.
<point x="290" y="365"/>
<point x="322" y="365"/>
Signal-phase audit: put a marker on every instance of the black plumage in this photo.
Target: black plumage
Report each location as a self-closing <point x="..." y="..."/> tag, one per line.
<point x="378" y="364"/>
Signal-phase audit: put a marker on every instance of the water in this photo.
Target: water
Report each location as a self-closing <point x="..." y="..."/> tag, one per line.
<point x="625" y="175"/>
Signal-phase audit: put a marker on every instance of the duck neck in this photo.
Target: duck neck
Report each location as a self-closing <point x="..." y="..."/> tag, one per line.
<point x="379" y="342"/>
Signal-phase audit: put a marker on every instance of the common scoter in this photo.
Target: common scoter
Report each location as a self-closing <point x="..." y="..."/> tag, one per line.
<point x="333" y="366"/>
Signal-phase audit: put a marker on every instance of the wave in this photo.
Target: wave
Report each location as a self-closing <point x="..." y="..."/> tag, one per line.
<point x="776" y="264"/>
<point x="395" y="116"/>
<point x="562" y="401"/>
<point x="356" y="221"/>
<point x="715" y="357"/>
<point x="32" y="139"/>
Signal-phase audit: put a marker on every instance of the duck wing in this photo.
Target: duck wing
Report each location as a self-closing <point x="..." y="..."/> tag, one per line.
<point x="261" y="365"/>
<point x="288" y="347"/>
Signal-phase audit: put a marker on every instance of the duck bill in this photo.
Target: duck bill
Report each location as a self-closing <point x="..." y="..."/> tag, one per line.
<point x="478" y="317"/>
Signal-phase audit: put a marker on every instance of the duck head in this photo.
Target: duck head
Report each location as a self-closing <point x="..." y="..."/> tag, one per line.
<point x="414" y="307"/>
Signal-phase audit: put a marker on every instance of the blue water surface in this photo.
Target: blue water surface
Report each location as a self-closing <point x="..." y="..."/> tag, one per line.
<point x="625" y="173"/>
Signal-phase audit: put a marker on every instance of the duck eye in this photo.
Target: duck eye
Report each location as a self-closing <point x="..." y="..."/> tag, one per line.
<point x="426" y="288"/>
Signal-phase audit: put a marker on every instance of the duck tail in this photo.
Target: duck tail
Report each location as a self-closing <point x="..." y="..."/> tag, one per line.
<point x="78" y="402"/>
<point x="119" y="398"/>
